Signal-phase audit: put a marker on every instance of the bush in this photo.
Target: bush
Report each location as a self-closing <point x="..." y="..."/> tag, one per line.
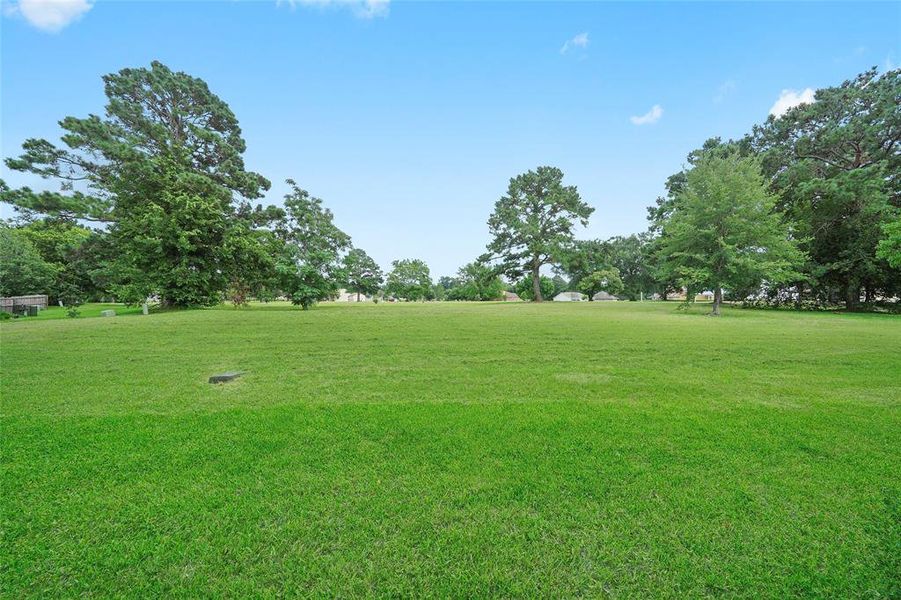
<point x="5" y="316"/>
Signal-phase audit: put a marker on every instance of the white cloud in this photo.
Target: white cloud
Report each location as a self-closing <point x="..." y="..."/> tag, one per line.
<point x="650" y="117"/>
<point x="363" y="9"/>
<point x="51" y="16"/>
<point x="579" y="41"/>
<point x="789" y="99"/>
<point x="726" y="89"/>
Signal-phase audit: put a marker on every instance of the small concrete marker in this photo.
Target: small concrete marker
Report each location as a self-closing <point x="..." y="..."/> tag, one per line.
<point x="107" y="313"/>
<point x="145" y="309"/>
<point x="224" y="377"/>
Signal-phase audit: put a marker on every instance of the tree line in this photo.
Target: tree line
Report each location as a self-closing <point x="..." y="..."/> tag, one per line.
<point x="154" y="201"/>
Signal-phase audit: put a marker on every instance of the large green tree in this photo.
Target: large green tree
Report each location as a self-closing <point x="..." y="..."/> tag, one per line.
<point x="362" y="274"/>
<point x="310" y="264"/>
<point x="835" y="163"/>
<point x="723" y="231"/>
<point x="533" y="222"/>
<point x="665" y="282"/>
<point x="409" y="279"/>
<point x="164" y="168"/>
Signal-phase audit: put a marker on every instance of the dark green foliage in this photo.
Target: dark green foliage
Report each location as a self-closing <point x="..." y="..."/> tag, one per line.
<point x="475" y="282"/>
<point x="22" y="269"/>
<point x="583" y="257"/>
<point x="533" y="222"/>
<point x="164" y="167"/>
<point x="630" y="255"/>
<point x="525" y="287"/>
<point x="409" y="279"/>
<point x="362" y="274"/>
<point x="835" y="165"/>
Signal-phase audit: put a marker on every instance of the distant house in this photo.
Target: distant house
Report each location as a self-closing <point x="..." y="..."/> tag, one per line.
<point x="345" y="296"/>
<point x="569" y="297"/>
<point x="511" y="297"/>
<point x="604" y="297"/>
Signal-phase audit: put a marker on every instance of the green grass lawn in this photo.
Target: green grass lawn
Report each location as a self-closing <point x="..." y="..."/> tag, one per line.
<point x="449" y="449"/>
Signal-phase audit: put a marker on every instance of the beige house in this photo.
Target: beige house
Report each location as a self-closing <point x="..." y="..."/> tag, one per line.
<point x="345" y="296"/>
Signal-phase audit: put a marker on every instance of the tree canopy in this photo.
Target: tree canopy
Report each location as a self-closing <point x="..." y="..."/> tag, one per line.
<point x="723" y="231"/>
<point x="311" y="262"/>
<point x="409" y="279"/>
<point x="604" y="280"/>
<point x="22" y="269"/>
<point x="362" y="274"/>
<point x="835" y="165"/>
<point x="476" y="281"/>
<point x="164" y="168"/>
<point x="533" y="222"/>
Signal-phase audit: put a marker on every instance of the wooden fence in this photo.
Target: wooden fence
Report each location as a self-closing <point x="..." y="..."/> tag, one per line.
<point x="11" y="303"/>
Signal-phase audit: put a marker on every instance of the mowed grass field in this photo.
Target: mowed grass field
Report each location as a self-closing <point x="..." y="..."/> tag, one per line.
<point x="507" y="450"/>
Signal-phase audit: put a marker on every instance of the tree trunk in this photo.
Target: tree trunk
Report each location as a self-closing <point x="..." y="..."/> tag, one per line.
<point x="536" y="283"/>
<point x="852" y="295"/>
<point x="358" y="295"/>
<point x="717" y="300"/>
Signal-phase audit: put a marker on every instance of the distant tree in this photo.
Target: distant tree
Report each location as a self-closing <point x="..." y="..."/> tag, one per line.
<point x="605" y="280"/>
<point x="22" y="270"/>
<point x="525" y="287"/>
<point x="164" y="168"/>
<point x="477" y="281"/>
<point x="581" y="258"/>
<point x="723" y="232"/>
<point x="447" y="282"/>
<point x="560" y="284"/>
<point x="255" y="244"/>
<point x="409" y="279"/>
<point x="889" y="248"/>
<point x="438" y="292"/>
<point x="72" y="251"/>
<point x="362" y="274"/>
<point x="533" y="222"/>
<point x="630" y="256"/>
<point x="310" y="265"/>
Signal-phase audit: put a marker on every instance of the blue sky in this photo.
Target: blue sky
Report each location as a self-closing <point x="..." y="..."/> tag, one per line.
<point x="409" y="118"/>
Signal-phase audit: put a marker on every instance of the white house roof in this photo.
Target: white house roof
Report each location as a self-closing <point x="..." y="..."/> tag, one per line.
<point x="569" y="297"/>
